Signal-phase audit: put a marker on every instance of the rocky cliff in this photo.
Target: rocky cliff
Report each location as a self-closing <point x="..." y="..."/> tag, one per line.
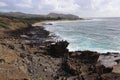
<point x="31" y="54"/>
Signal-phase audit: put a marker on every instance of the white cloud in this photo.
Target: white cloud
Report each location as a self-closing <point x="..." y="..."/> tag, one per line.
<point x="100" y="8"/>
<point x="96" y="3"/>
<point x="2" y="4"/>
<point x="25" y="4"/>
<point x="27" y="1"/>
<point x="64" y="6"/>
<point x="83" y="8"/>
<point x="107" y="8"/>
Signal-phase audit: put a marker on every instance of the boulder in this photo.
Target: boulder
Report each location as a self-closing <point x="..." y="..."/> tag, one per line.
<point x="101" y="69"/>
<point x="58" y="49"/>
<point x="81" y="62"/>
<point x="89" y="57"/>
<point x="116" y="69"/>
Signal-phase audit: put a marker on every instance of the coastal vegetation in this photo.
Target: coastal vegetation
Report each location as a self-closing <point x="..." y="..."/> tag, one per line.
<point x="14" y="20"/>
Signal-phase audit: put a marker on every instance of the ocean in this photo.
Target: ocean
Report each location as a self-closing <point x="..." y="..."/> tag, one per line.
<point x="97" y="34"/>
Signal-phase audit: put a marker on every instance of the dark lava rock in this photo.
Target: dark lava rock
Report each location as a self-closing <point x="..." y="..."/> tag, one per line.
<point x="58" y="49"/>
<point x="81" y="63"/>
<point x="101" y="69"/>
<point x="118" y="61"/>
<point x="111" y="76"/>
<point x="89" y="57"/>
<point x="85" y="65"/>
<point x="2" y="61"/>
<point x="93" y="76"/>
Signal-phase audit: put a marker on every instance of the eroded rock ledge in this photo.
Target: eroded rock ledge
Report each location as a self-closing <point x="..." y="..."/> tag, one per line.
<point x="86" y="65"/>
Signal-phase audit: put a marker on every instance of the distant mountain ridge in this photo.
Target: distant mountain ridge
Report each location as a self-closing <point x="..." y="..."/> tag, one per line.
<point x="66" y="16"/>
<point x="50" y="15"/>
<point x="19" y="14"/>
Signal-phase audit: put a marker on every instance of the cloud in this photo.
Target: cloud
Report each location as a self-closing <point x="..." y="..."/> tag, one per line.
<point x="24" y="4"/>
<point x="99" y="8"/>
<point x="83" y="8"/>
<point x="2" y="4"/>
<point x="65" y="6"/>
<point x="106" y="7"/>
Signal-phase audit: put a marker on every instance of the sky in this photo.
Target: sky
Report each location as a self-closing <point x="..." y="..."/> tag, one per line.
<point x="82" y="8"/>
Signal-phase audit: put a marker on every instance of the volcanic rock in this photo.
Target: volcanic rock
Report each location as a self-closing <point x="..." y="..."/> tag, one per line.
<point x="58" y="49"/>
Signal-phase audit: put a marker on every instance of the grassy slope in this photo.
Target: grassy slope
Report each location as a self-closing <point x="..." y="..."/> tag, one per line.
<point x="13" y="20"/>
<point x="11" y="23"/>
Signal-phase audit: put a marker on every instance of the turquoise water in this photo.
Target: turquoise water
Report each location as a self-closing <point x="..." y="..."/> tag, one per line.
<point x="102" y="35"/>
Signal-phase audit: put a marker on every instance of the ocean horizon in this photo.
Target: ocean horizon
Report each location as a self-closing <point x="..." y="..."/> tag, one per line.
<point x="97" y="34"/>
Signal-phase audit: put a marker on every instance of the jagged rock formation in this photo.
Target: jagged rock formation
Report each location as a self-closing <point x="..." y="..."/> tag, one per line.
<point x="83" y="65"/>
<point x="58" y="49"/>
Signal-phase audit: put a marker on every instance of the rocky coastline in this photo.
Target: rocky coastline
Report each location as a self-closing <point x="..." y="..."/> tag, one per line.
<point x="31" y="54"/>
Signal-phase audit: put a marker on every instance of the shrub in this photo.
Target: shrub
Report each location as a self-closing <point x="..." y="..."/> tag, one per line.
<point x="40" y="78"/>
<point x="3" y="25"/>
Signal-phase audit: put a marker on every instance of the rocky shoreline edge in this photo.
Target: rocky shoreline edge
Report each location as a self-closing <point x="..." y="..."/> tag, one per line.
<point x="30" y="54"/>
